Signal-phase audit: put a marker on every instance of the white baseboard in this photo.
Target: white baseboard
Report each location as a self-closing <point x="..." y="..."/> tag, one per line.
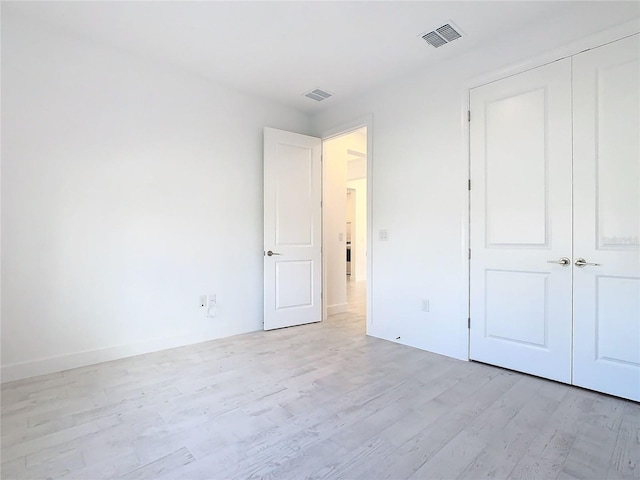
<point x="337" y="308"/>
<point x="44" y="366"/>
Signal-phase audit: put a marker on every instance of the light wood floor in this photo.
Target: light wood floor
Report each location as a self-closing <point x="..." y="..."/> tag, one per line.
<point x="318" y="401"/>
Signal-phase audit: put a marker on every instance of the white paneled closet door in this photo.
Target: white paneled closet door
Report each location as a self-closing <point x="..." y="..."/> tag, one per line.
<point x="521" y="220"/>
<point x="555" y="170"/>
<point x="606" y="126"/>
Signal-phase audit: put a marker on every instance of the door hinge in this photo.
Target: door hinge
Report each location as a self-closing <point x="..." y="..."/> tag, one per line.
<point x="469" y="254"/>
<point x="320" y="203"/>
<point x="469" y="184"/>
<point x="468" y="115"/>
<point x="469" y="322"/>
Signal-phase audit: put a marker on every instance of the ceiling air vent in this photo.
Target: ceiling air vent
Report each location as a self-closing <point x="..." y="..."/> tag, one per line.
<point x="442" y="35"/>
<point x="318" y="94"/>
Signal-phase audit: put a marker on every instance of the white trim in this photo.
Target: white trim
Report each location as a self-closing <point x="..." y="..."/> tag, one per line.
<point x="364" y="121"/>
<point x="587" y="43"/>
<point x="59" y="363"/>
<point x="465" y="108"/>
<point x="347" y="127"/>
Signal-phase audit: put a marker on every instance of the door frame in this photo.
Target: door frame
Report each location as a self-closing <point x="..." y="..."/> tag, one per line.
<point x="328" y="134"/>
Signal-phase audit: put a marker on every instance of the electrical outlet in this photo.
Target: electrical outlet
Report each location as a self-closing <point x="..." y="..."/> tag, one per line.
<point x="383" y="235"/>
<point x="425" y="304"/>
<point x="203" y="301"/>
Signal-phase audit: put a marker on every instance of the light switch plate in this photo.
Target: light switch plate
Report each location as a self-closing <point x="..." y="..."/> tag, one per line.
<point x="425" y="304"/>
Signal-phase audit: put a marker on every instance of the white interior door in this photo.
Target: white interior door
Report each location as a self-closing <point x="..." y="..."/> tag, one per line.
<point x="292" y="229"/>
<point x="607" y="219"/>
<point x="520" y="137"/>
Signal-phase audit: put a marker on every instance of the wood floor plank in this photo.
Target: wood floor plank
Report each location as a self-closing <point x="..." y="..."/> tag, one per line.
<point x="318" y="401"/>
<point x="547" y="453"/>
<point x="498" y="458"/>
<point x="11" y="451"/>
<point x="625" y="463"/>
<point x="593" y="449"/>
<point x="481" y="391"/>
<point x="455" y="457"/>
<point x="356" y="462"/>
<point x="165" y="465"/>
<point x="104" y="468"/>
<point x="51" y="464"/>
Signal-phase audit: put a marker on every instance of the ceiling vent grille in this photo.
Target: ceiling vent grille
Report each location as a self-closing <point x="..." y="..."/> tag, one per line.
<point x="442" y="35"/>
<point x="318" y="94"/>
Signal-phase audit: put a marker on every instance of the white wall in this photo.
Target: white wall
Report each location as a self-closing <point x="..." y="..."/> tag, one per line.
<point x="128" y="190"/>
<point x="419" y="174"/>
<point x="357" y="168"/>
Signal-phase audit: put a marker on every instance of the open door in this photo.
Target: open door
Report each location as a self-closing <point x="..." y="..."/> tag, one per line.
<point x="292" y="229"/>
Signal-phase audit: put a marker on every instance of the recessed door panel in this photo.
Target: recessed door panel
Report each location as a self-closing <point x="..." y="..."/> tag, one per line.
<point x="521" y="220"/>
<point x="516" y="169"/>
<point x="606" y="126"/>
<point x="618" y="175"/>
<point x="617" y="323"/>
<point x="294" y="284"/>
<point x="294" y="195"/>
<point x="516" y="307"/>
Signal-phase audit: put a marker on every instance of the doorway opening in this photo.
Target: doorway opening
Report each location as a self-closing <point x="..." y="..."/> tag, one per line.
<point x="345" y="222"/>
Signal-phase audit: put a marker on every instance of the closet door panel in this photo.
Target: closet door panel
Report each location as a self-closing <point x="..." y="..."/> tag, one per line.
<point x="521" y="220"/>
<point x="606" y="126"/>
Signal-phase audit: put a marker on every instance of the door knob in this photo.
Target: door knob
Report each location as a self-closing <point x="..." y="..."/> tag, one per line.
<point x="581" y="262"/>
<point x="270" y="253"/>
<point x="564" y="261"/>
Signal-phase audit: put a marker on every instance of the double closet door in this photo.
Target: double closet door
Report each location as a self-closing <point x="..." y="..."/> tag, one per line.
<point x="555" y="221"/>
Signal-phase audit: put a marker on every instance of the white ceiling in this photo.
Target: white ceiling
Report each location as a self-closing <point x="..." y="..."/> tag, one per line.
<point x="279" y="50"/>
